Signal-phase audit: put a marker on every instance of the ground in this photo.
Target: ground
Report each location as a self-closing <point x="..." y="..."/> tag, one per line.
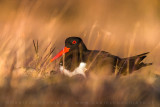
<point x="123" y="28"/>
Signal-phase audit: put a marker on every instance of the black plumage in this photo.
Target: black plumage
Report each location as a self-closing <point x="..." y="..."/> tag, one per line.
<point x="99" y="60"/>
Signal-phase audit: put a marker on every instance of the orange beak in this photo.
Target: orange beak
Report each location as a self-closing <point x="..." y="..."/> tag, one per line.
<point x="65" y="50"/>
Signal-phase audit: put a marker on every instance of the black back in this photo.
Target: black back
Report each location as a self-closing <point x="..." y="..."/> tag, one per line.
<point x="79" y="53"/>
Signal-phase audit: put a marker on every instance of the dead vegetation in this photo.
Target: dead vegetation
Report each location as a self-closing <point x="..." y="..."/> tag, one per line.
<point x="123" y="28"/>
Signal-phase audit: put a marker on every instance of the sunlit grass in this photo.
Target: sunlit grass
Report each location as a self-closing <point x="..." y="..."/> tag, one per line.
<point x="25" y="67"/>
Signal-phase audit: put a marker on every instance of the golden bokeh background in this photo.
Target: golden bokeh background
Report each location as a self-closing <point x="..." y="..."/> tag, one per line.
<point x="121" y="27"/>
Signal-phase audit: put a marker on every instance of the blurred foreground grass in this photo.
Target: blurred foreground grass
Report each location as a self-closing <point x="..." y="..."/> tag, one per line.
<point x="123" y="28"/>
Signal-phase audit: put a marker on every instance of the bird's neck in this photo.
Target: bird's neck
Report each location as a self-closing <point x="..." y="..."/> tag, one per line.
<point x="75" y="57"/>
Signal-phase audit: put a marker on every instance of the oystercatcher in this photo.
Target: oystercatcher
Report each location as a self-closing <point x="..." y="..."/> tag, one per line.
<point x="77" y="59"/>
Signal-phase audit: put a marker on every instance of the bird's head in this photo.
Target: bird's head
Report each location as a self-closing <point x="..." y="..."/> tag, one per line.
<point x="71" y="44"/>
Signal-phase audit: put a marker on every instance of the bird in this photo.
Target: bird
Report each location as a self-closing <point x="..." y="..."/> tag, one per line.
<point x="77" y="59"/>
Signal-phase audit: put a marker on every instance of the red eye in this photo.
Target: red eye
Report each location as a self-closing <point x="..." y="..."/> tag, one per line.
<point x="74" y="42"/>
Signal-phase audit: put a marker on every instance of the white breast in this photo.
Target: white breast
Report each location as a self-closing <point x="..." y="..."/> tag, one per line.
<point x="79" y="70"/>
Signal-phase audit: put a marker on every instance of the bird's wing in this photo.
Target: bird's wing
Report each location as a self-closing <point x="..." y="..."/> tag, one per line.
<point x="132" y="63"/>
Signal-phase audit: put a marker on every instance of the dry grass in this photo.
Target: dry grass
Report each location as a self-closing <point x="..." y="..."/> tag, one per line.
<point x="122" y="27"/>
